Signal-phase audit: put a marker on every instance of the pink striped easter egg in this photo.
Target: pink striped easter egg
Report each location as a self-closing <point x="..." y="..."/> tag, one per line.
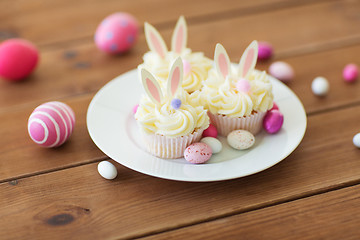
<point x="51" y="124"/>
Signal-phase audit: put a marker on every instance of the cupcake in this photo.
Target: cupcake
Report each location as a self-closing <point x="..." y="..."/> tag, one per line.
<point x="159" y="60"/>
<point x="167" y="119"/>
<point x="237" y="97"/>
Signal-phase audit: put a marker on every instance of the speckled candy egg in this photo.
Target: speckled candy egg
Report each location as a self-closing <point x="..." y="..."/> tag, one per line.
<point x="51" y="124"/>
<point x="18" y="59"/>
<point x="117" y="33"/>
<point x="198" y="153"/>
<point x="241" y="139"/>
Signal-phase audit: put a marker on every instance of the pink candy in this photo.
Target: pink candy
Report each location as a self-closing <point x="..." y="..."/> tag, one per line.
<point x="243" y="85"/>
<point x="350" y="73"/>
<point x="18" y="58"/>
<point x="51" y="124"/>
<point x="265" y="51"/>
<point x="117" y="33"/>
<point x="198" y="153"/>
<point x="282" y="71"/>
<point x="135" y="108"/>
<point x="273" y="121"/>
<point x="211" y="131"/>
<point x="275" y="107"/>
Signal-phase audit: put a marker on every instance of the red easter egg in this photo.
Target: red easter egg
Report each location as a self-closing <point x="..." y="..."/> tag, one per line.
<point x="18" y="58"/>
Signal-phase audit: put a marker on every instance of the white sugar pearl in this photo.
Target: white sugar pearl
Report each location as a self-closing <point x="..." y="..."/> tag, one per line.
<point x="320" y="86"/>
<point x="356" y="140"/>
<point x="213" y="143"/>
<point x="107" y="170"/>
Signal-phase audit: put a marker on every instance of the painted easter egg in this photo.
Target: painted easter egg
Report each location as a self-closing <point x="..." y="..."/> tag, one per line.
<point x="211" y="131"/>
<point x="213" y="143"/>
<point x="198" y="153"/>
<point x="107" y="170"/>
<point x="117" y="33"/>
<point x="273" y="121"/>
<point x="51" y="124"/>
<point x="282" y="71"/>
<point x="18" y="59"/>
<point x="241" y="139"/>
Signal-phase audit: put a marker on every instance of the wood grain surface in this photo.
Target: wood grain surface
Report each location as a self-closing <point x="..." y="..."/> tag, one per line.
<point x="58" y="193"/>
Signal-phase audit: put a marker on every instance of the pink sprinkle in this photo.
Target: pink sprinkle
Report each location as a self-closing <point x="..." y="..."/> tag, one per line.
<point x="135" y="108"/>
<point x="243" y="85"/>
<point x="350" y="73"/>
<point x="187" y="67"/>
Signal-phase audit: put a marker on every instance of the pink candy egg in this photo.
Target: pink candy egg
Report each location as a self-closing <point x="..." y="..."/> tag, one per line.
<point x="282" y="71"/>
<point x="51" y="124"/>
<point x="273" y="121"/>
<point x="275" y="107"/>
<point x="117" y="33"/>
<point x="265" y="51"/>
<point x="198" y="153"/>
<point x="135" y="108"/>
<point x="350" y="73"/>
<point x="18" y="58"/>
<point x="211" y="131"/>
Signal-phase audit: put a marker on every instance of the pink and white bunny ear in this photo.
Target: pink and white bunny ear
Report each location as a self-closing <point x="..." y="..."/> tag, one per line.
<point x="151" y="86"/>
<point x="179" y="37"/>
<point x="222" y="61"/>
<point x="175" y="77"/>
<point x="248" y="59"/>
<point x="155" y="41"/>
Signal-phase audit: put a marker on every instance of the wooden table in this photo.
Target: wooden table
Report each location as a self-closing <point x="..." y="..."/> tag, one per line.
<point x="58" y="194"/>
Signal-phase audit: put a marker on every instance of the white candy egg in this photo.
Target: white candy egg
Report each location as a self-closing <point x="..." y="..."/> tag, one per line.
<point x="241" y="139"/>
<point x="213" y="143"/>
<point x="107" y="170"/>
<point x="356" y="140"/>
<point x="320" y="86"/>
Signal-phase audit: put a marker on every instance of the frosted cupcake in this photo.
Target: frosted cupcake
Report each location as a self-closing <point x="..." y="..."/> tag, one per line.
<point x="159" y="60"/>
<point x="169" y="122"/>
<point x="236" y="97"/>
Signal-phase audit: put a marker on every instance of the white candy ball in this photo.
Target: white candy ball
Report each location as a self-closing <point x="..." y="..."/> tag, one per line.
<point x="356" y="140"/>
<point x="320" y="86"/>
<point x="107" y="170"/>
<point x="213" y="143"/>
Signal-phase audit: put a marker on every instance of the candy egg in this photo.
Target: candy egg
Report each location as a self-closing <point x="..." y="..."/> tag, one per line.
<point x="241" y="139"/>
<point x="356" y="140"/>
<point x="273" y="121"/>
<point x="135" y="108"/>
<point x="213" y="143"/>
<point x="320" y="86"/>
<point x="275" y="107"/>
<point x="107" y="170"/>
<point x="350" y="73"/>
<point x="51" y="124"/>
<point x="18" y="58"/>
<point x="117" y="33"/>
<point x="211" y="131"/>
<point x="265" y="51"/>
<point x="198" y="153"/>
<point x="282" y="71"/>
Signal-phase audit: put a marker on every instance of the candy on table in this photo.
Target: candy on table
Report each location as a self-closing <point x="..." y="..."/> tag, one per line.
<point x="107" y="170"/>
<point x="213" y="143"/>
<point x="117" y="33"/>
<point x="350" y="73"/>
<point x="51" y="124"/>
<point x="265" y="51"/>
<point x="282" y="71"/>
<point x="273" y="121"/>
<point x="320" y="86"/>
<point x="198" y="153"/>
<point x="211" y="131"/>
<point x="356" y="140"/>
<point x="241" y="139"/>
<point x="18" y="59"/>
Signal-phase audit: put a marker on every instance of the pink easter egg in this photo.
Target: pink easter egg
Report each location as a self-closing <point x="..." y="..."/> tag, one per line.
<point x="117" y="33"/>
<point x="135" y="108"/>
<point x="350" y="73"/>
<point x="275" y="107"/>
<point x="282" y="71"/>
<point x="273" y="121"/>
<point x="265" y="51"/>
<point x="51" y="124"/>
<point x="18" y="59"/>
<point x="211" y="131"/>
<point x="198" y="153"/>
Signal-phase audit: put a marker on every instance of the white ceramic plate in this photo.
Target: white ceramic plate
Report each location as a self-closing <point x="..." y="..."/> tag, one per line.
<point x="112" y="127"/>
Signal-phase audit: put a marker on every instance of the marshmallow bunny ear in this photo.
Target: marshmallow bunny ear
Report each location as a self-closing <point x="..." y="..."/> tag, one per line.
<point x="175" y="77"/>
<point x="151" y="86"/>
<point x="222" y="61"/>
<point x="248" y="59"/>
<point x="179" y="37"/>
<point x="155" y="41"/>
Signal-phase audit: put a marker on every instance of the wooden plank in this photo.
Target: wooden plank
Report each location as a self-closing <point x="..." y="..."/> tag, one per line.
<point x="136" y="205"/>
<point x="67" y="20"/>
<point x="333" y="215"/>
